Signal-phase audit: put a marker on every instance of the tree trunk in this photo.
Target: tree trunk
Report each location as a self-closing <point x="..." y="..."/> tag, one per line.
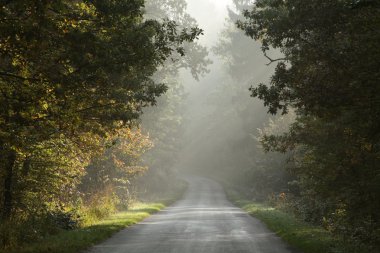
<point x="8" y="185"/>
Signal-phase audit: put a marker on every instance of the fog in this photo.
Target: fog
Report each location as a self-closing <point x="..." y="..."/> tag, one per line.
<point x="211" y="15"/>
<point x="221" y="119"/>
<point x="129" y="106"/>
<point x="207" y="123"/>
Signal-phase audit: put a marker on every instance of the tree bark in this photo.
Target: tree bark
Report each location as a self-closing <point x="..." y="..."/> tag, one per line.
<point x="8" y="185"/>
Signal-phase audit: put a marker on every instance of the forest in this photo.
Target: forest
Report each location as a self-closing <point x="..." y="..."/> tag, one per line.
<point x="105" y="104"/>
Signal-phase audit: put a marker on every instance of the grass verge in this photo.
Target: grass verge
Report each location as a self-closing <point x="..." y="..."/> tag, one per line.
<point x="305" y="237"/>
<point x="80" y="239"/>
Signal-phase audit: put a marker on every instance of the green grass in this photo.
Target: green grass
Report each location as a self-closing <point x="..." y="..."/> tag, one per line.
<point x="80" y="239"/>
<point x="302" y="236"/>
<point x="97" y="231"/>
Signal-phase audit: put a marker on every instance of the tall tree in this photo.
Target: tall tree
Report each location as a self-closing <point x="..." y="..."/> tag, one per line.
<point x="238" y="117"/>
<point x="164" y="122"/>
<point x="329" y="74"/>
<point x="111" y="175"/>
<point x="74" y="68"/>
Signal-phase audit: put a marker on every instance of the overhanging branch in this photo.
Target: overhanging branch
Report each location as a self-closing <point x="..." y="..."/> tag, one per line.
<point x="273" y="60"/>
<point x="19" y="77"/>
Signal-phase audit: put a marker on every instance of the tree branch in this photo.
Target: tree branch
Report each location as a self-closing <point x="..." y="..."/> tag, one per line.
<point x="19" y="77"/>
<point x="273" y="60"/>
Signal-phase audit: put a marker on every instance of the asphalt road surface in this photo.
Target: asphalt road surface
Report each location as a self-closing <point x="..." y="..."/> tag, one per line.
<point x="203" y="221"/>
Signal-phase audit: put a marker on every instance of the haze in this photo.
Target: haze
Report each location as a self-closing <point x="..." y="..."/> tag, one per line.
<point x="213" y="124"/>
<point x="189" y="126"/>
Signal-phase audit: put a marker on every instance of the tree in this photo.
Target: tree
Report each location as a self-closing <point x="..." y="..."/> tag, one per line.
<point x="329" y="74"/>
<point x="196" y="57"/>
<point x="165" y="122"/>
<point x="113" y="172"/>
<point x="237" y="117"/>
<point x="74" y="68"/>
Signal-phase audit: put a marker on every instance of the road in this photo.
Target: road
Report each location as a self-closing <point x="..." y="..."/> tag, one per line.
<point x="203" y="221"/>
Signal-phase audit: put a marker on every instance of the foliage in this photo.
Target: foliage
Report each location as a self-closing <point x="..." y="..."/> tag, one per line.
<point x="195" y="58"/>
<point x="262" y="175"/>
<point x="66" y="86"/>
<point x="64" y="220"/>
<point x="268" y="177"/>
<point x="165" y="126"/>
<point x="88" y="235"/>
<point x="112" y="173"/>
<point x="298" y="234"/>
<point x="93" y="229"/>
<point x="165" y="122"/>
<point x="74" y="77"/>
<point x="328" y="72"/>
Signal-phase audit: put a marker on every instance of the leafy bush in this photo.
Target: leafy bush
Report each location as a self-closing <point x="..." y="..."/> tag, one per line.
<point x="35" y="226"/>
<point x="64" y="220"/>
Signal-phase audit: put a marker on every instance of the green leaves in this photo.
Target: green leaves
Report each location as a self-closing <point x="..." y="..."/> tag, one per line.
<point x="329" y="74"/>
<point x="73" y="73"/>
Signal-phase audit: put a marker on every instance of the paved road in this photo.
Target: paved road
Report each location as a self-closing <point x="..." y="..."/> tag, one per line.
<point x="203" y="221"/>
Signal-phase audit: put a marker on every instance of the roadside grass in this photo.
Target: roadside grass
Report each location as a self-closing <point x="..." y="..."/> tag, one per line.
<point x="77" y="240"/>
<point x="80" y="239"/>
<point x="300" y="235"/>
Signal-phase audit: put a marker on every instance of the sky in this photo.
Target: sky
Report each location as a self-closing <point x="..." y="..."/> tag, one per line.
<point x="210" y="15"/>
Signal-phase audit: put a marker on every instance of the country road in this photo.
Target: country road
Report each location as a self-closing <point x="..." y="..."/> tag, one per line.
<point x="203" y="221"/>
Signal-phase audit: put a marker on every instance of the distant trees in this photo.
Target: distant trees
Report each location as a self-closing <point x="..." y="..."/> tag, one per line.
<point x="73" y="74"/>
<point x="110" y="175"/>
<point x="328" y="73"/>
<point x="165" y="122"/>
<point x="245" y="119"/>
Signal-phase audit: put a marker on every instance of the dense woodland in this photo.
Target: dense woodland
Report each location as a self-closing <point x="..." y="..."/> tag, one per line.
<point x="328" y="74"/>
<point x="314" y="151"/>
<point x="75" y="77"/>
<point x="92" y="111"/>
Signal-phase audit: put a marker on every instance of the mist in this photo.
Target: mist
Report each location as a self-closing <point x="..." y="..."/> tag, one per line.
<point x="222" y="119"/>
<point x="209" y="114"/>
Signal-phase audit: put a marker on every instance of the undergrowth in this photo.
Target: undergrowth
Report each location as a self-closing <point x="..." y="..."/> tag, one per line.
<point x="303" y="236"/>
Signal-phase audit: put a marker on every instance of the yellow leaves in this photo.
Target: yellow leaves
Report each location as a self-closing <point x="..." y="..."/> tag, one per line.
<point x="44" y="105"/>
<point x="129" y="145"/>
<point x="5" y="43"/>
<point x="86" y="9"/>
<point x="133" y="170"/>
<point x="80" y="18"/>
<point x="348" y="131"/>
<point x="16" y="61"/>
<point x="367" y="147"/>
<point x="133" y="142"/>
<point x="69" y="23"/>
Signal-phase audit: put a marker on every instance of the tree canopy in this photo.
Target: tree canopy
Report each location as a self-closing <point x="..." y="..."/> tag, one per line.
<point x="328" y="73"/>
<point x="73" y="76"/>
